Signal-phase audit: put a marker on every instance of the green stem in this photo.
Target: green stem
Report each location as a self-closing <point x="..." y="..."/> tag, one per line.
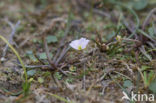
<point x="17" y="54"/>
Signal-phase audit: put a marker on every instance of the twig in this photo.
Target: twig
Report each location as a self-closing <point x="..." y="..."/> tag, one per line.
<point x="131" y="40"/>
<point x="36" y="66"/>
<point x="57" y="54"/>
<point x="43" y="66"/>
<point x="63" y="72"/>
<point x="47" y="54"/>
<point x="11" y="36"/>
<point x="53" y="65"/>
<point x="24" y="42"/>
<point x="64" y="51"/>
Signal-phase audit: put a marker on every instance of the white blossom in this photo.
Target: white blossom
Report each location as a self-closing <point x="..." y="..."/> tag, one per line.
<point x="79" y="44"/>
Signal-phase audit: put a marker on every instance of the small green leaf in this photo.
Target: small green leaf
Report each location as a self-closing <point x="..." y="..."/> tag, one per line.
<point x="69" y="80"/>
<point x="44" y="56"/>
<point x="140" y="4"/>
<point x="31" y="72"/>
<point x="29" y="52"/>
<point x="51" y="39"/>
<point x="40" y="80"/>
<point x="72" y="68"/>
<point x="46" y="74"/>
<point x="151" y="31"/>
<point x="20" y="29"/>
<point x="152" y="86"/>
<point x="37" y="41"/>
<point x="58" y="75"/>
<point x="31" y="56"/>
<point x="145" y="67"/>
<point x="127" y="83"/>
<point x="109" y="36"/>
<point x="60" y="34"/>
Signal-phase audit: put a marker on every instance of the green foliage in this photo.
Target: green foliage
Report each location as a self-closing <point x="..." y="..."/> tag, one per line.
<point x="145" y="67"/>
<point x="60" y="34"/>
<point x="127" y="83"/>
<point x="109" y="36"/>
<point x="44" y="56"/>
<point x="51" y="39"/>
<point x="152" y="86"/>
<point x="40" y="80"/>
<point x="26" y="87"/>
<point x="139" y="4"/>
<point x="20" y="29"/>
<point x="31" y="72"/>
<point x="58" y="75"/>
<point x="46" y="74"/>
<point x="148" y="78"/>
<point x="26" y="84"/>
<point x="151" y="32"/>
<point x="72" y="68"/>
<point x="135" y="4"/>
<point x="69" y="80"/>
<point x="31" y="56"/>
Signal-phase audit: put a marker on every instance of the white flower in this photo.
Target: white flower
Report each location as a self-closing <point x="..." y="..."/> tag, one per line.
<point x="3" y="59"/>
<point x="79" y="44"/>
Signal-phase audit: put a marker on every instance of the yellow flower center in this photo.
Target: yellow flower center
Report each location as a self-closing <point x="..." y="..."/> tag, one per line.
<point x="79" y="47"/>
<point x="118" y="38"/>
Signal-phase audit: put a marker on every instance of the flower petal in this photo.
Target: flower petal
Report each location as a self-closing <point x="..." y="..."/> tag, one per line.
<point x="76" y="44"/>
<point x="84" y="43"/>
